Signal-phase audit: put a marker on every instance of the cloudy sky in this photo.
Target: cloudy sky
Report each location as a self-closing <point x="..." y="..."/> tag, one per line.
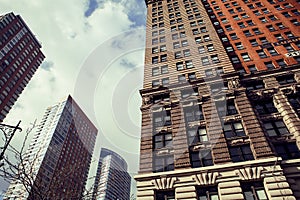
<point x="94" y="51"/>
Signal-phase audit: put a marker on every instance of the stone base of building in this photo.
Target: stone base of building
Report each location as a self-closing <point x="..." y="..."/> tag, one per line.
<point x="280" y="179"/>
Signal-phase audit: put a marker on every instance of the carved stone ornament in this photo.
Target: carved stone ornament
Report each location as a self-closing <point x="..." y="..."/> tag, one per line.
<point x="206" y="178"/>
<point x="250" y="173"/>
<point x="164" y="183"/>
<point x="234" y="83"/>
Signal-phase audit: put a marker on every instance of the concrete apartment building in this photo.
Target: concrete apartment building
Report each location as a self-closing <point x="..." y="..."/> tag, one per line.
<point x="112" y="179"/>
<point x="59" y="155"/>
<point x="221" y="103"/>
<point x="20" y="57"/>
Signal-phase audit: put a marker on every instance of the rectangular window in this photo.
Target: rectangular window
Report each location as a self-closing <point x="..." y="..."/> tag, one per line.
<point x="287" y="150"/>
<point x="265" y="107"/>
<point x="176" y="45"/>
<point x="181" y="78"/>
<point x="193" y="113"/>
<point x="184" y="43"/>
<point x="155" y="71"/>
<point x="210" y="47"/>
<point x="276" y="128"/>
<point x="155" y="50"/>
<point x="162" y="118"/>
<point x="196" y="135"/>
<point x="233" y="129"/>
<point x="163" y="163"/>
<point x="245" y="57"/>
<point x="201" y="49"/>
<point x="163" y="58"/>
<point x="288" y="47"/>
<point x="214" y="58"/>
<point x="254" y="191"/>
<point x="177" y="54"/>
<point x="162" y="139"/>
<point x="201" y="158"/>
<point x="192" y="76"/>
<point x="207" y="193"/>
<point x="165" y="195"/>
<point x="240" y="153"/>
<point x="189" y="92"/>
<point x="206" y="38"/>
<point x="189" y="64"/>
<point x="179" y="66"/>
<point x="165" y="82"/>
<point x="155" y="60"/>
<point x="261" y="53"/>
<point x="205" y="60"/>
<point x="164" y="69"/>
<point x="226" y="108"/>
<point x="163" y="48"/>
<point x="269" y="65"/>
<point x="254" y="43"/>
<point x="282" y="80"/>
<point x="255" y="85"/>
<point x="155" y="83"/>
<point x="209" y="73"/>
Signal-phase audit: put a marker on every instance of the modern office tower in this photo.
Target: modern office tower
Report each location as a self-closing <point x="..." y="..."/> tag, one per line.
<point x="20" y="56"/>
<point x="112" y="180"/>
<point x="59" y="155"/>
<point x="221" y="103"/>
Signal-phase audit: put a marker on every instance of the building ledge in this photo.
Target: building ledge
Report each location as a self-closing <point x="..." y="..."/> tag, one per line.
<point x="223" y="167"/>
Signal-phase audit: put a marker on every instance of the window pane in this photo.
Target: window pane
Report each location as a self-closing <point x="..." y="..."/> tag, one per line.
<point x="261" y="195"/>
<point x="248" y="195"/>
<point x="214" y="197"/>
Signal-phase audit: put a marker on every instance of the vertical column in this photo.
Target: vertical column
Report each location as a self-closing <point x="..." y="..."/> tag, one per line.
<point x="252" y="127"/>
<point x="146" y="142"/>
<point x="271" y="82"/>
<point x="289" y="116"/>
<point x="181" y="152"/>
<point x="215" y="133"/>
<point x="277" y="187"/>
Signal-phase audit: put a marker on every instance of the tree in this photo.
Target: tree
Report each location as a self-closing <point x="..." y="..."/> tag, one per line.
<point x="21" y="167"/>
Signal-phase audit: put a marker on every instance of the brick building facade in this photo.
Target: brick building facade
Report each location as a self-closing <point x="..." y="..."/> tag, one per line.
<point x="20" y="57"/>
<point x="220" y="112"/>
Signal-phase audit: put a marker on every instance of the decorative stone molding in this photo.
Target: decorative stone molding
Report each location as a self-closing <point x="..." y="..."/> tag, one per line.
<point x="262" y="94"/>
<point x="232" y="118"/>
<point x="164" y="183"/>
<point x="234" y="83"/>
<point x="206" y="178"/>
<point x="250" y="173"/>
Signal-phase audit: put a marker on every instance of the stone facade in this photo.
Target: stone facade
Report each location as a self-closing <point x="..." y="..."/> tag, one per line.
<point x="228" y="132"/>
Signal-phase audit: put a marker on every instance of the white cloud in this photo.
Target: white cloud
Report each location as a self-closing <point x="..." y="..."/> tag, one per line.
<point x="68" y="38"/>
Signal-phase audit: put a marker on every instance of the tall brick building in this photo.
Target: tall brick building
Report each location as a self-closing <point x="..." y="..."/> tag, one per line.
<point x="20" y="56"/>
<point x="221" y="103"/>
<point x="57" y="161"/>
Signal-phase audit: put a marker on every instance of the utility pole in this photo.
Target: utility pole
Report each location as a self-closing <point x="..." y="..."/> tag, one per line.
<point x="8" y="131"/>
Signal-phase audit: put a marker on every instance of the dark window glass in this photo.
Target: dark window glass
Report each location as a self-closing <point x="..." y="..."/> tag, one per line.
<point x="288" y="150"/>
<point x="254" y="191"/>
<point x="201" y="158"/>
<point x="165" y="195"/>
<point x="163" y="163"/>
<point x="265" y="107"/>
<point x="240" y="153"/>
<point x="207" y="193"/>
<point x="233" y="129"/>
<point x="282" y="80"/>
<point x="193" y="113"/>
<point x="276" y="128"/>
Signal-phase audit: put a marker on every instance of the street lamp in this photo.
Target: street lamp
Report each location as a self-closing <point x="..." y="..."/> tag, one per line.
<point x="8" y="132"/>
